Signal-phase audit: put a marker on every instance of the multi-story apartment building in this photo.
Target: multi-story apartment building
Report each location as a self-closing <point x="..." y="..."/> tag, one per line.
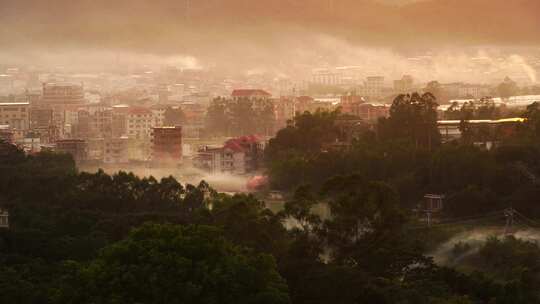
<point x="158" y="115"/>
<point x="373" y="86"/>
<point x="119" y="122"/>
<point x="64" y="100"/>
<point x="95" y="149"/>
<point x="167" y="145"/>
<point x="237" y="156"/>
<point x="285" y="109"/>
<point x="102" y="121"/>
<point x="371" y="112"/>
<point x="116" y="150"/>
<point x="328" y="77"/>
<point x="33" y="97"/>
<point x="93" y="122"/>
<point x="40" y="117"/>
<point x="31" y="143"/>
<point x="76" y="147"/>
<point x="349" y="102"/>
<point x="368" y="112"/>
<point x="403" y="85"/>
<point x="16" y="115"/>
<point x="139" y="122"/>
<point x="6" y="134"/>
<point x="195" y="114"/>
<point x="250" y="94"/>
<point x="473" y="90"/>
<point x="209" y="159"/>
<point x="83" y="128"/>
<point x="62" y="94"/>
<point x="303" y="104"/>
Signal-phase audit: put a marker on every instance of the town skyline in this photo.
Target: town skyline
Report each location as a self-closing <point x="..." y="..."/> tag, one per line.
<point x="282" y="38"/>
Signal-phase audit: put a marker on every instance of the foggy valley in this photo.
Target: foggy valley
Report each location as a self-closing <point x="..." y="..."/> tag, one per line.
<point x="272" y="151"/>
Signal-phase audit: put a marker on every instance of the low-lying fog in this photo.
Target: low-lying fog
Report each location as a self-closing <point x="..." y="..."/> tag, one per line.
<point x="473" y="240"/>
<point x="221" y="182"/>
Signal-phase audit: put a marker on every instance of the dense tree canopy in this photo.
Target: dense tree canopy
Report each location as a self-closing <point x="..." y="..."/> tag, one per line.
<point x="174" y="117"/>
<point x="346" y="233"/>
<point x="435" y="88"/>
<point x="507" y="88"/>
<point x="173" y="264"/>
<point x="412" y="120"/>
<point x="227" y="117"/>
<point x="484" y="108"/>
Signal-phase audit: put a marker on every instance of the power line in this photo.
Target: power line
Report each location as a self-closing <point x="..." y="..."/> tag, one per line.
<point x="527" y="219"/>
<point x="474" y="220"/>
<point x="466" y="219"/>
<point x="498" y="212"/>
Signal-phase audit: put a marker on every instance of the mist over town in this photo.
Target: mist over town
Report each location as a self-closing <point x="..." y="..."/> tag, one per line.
<point x="284" y="151"/>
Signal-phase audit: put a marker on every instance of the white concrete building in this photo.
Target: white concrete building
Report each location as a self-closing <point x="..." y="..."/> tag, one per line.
<point x="373" y="86"/>
<point x="158" y="115"/>
<point x="139" y="123"/>
<point x="238" y="156"/>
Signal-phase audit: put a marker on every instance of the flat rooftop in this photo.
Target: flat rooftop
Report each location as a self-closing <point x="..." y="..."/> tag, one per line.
<point x="482" y="121"/>
<point x="14" y="104"/>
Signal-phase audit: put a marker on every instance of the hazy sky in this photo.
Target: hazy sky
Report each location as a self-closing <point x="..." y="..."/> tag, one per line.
<point x="277" y="31"/>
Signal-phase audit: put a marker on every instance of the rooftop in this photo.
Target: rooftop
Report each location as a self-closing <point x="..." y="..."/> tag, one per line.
<point x="239" y="144"/>
<point x="61" y="84"/>
<point x="14" y="103"/>
<point x="482" y="121"/>
<point x="249" y="93"/>
<point x="167" y="127"/>
<point x="139" y="111"/>
<point x="305" y="98"/>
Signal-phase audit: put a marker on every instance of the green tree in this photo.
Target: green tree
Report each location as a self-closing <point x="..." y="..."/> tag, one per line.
<point x="174" y="117"/>
<point x="507" y="88"/>
<point x="267" y="119"/>
<point x="435" y="88"/>
<point x="486" y="109"/>
<point x="413" y="119"/>
<point x="218" y="122"/>
<point x="300" y="209"/>
<point x="246" y="222"/>
<point x="532" y="124"/>
<point x="365" y="228"/>
<point x="243" y="117"/>
<point x="307" y="135"/>
<point x="174" y="264"/>
<point x="471" y="201"/>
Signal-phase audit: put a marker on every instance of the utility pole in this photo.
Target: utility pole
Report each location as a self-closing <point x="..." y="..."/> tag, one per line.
<point x="509" y="215"/>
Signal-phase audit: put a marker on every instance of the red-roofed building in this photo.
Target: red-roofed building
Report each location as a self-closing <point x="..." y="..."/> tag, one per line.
<point x="303" y="104"/>
<point x="357" y="106"/>
<point x="251" y="94"/>
<point x="238" y="156"/>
